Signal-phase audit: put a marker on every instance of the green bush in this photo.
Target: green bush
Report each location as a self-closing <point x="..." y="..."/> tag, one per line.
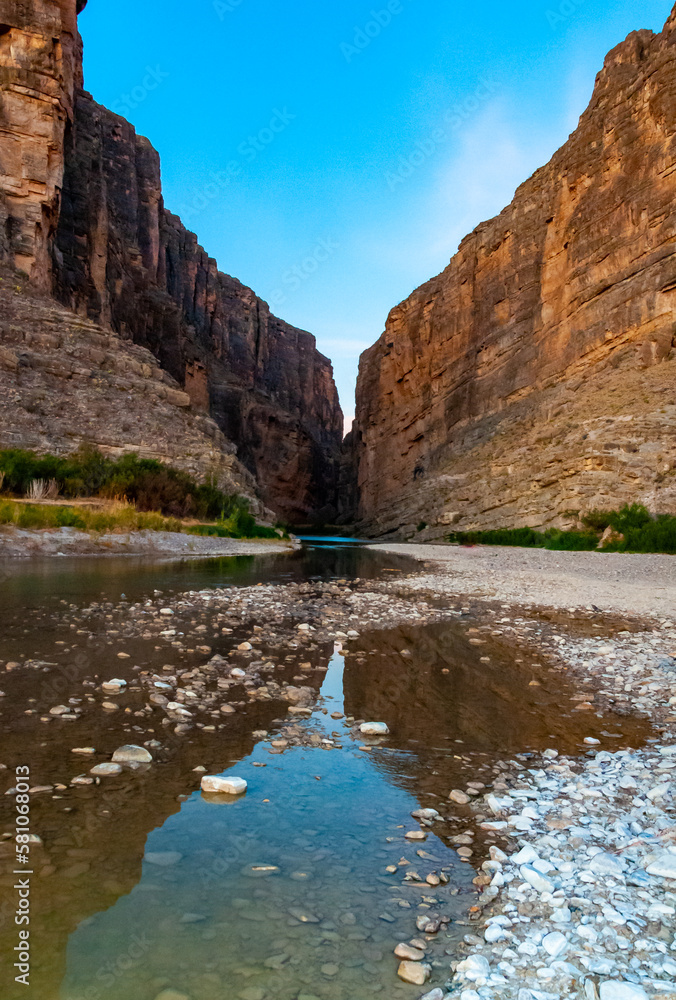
<point x="576" y="541"/>
<point x="150" y="486"/>
<point x="524" y="537"/>
<point x="640" y="530"/>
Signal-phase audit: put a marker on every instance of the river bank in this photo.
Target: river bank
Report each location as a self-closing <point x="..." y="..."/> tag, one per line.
<point x="611" y="581"/>
<point x="19" y="543"/>
<point x="580" y="899"/>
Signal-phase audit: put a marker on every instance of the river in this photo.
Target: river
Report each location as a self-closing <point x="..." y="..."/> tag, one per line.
<point x="303" y="887"/>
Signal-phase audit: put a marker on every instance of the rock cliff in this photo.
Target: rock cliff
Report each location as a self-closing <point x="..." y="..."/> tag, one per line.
<point x="83" y="215"/>
<point x="536" y="375"/>
<point x="62" y="376"/>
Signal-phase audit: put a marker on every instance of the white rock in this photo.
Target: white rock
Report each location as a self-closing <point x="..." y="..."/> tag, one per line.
<point x="537" y="880"/>
<point x="223" y="786"/>
<point x="106" y="770"/>
<point x="494" y="933"/>
<point x="555" y="944"/>
<point x="607" y="864"/>
<point x="238" y="672"/>
<point x="434" y="995"/>
<point x="374" y="729"/>
<point x="114" y="686"/>
<point x="474" y="967"/>
<point x="526" y="856"/>
<point x="664" y="866"/>
<point x="616" y="990"/>
<point x="132" y="754"/>
<point x="457" y="795"/>
<point x="166" y="611"/>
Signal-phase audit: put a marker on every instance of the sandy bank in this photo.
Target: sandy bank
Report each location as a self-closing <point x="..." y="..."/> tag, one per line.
<point x="612" y="581"/>
<point x="16" y="543"/>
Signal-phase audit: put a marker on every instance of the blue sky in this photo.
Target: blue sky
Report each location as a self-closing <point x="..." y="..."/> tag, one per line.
<point x="331" y="154"/>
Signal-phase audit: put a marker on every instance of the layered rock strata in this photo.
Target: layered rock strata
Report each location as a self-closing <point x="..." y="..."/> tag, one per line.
<point x="62" y="376"/>
<point x="81" y="212"/>
<point x="536" y="374"/>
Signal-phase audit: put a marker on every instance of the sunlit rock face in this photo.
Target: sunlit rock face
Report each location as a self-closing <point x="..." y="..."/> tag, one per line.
<point x="40" y="69"/>
<point x="536" y="374"/>
<point x="81" y="212"/>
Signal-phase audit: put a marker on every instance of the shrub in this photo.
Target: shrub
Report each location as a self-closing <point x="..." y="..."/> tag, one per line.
<point x="640" y="530"/>
<point x="577" y="541"/>
<point x="501" y="536"/>
<point x="146" y="483"/>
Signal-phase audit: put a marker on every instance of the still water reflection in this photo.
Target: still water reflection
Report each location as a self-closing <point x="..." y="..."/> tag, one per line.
<point x="144" y="885"/>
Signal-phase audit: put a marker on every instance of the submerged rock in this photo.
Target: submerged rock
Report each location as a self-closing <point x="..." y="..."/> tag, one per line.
<point x="414" y="972"/>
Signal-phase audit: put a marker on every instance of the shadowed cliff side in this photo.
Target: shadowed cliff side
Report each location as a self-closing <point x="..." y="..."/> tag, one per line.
<point x="123" y="259"/>
<point x="536" y="374"/>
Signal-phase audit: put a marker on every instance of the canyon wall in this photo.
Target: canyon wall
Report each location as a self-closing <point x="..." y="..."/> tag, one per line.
<point x="82" y="213"/>
<point x="40" y="68"/>
<point x="536" y="375"/>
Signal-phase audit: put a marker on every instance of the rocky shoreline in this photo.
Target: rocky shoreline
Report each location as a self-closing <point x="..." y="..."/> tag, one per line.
<point x="20" y="543"/>
<point x="580" y="900"/>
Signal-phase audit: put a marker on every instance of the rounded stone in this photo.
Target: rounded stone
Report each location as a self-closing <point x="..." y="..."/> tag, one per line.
<point x="223" y="786"/>
<point x="414" y="972"/>
<point x="132" y="754"/>
<point x="106" y="770"/>
<point x="374" y="729"/>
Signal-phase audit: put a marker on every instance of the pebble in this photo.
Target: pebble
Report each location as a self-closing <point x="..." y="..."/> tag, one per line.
<point x="223" y="786"/>
<point x="114" y="686"/>
<point x="410" y="954"/>
<point x="131" y="754"/>
<point x="616" y="990"/>
<point x="664" y="866"/>
<point x="106" y="770"/>
<point x="163" y="859"/>
<point x="414" y="972"/>
<point x="374" y="729"/>
<point x="462" y="798"/>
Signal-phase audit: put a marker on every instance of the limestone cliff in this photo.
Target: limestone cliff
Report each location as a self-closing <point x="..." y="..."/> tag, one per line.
<point x="62" y="376"/>
<point x="82" y="213"/>
<point x="536" y="375"/>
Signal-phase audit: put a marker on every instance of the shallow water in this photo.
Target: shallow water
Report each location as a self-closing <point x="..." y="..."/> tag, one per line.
<point x="284" y="891"/>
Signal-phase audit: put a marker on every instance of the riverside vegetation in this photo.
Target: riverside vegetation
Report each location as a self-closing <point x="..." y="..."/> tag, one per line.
<point x="630" y="529"/>
<point x="151" y="496"/>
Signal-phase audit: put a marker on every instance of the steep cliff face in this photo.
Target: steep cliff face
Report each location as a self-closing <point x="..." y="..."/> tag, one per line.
<point x="81" y="211"/>
<point x="478" y="396"/>
<point x="40" y="67"/>
<point x="121" y="258"/>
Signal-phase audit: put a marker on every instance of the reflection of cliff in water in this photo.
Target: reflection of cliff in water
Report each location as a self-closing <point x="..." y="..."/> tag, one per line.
<point x="94" y="837"/>
<point x="35" y="583"/>
<point x="491" y="709"/>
